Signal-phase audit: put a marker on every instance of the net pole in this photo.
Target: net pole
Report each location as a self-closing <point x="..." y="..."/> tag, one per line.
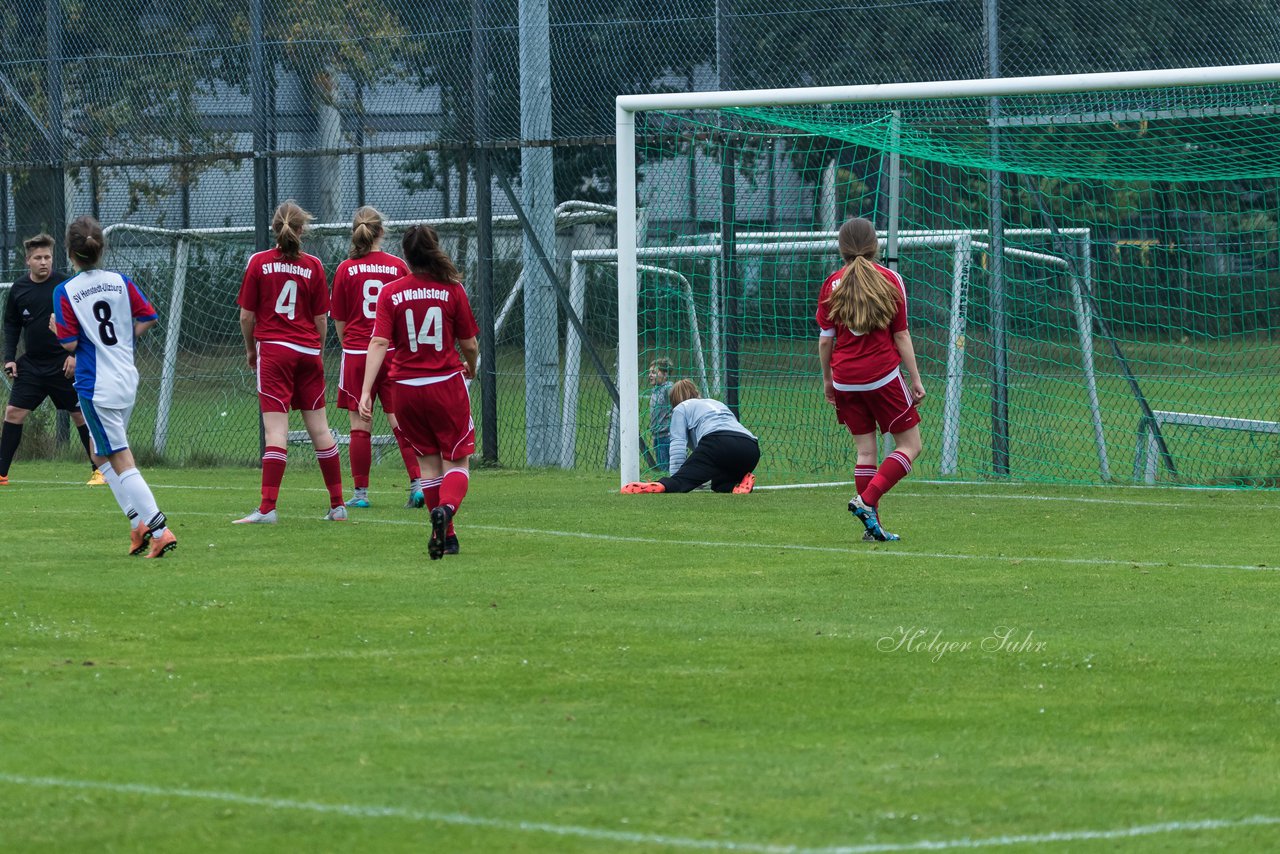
<point x="962" y="262"/>
<point x="572" y="365"/>
<point x="895" y="191"/>
<point x="628" y="322"/>
<point x="729" y="277"/>
<point x="484" y="237"/>
<point x="258" y="84"/>
<point x="1084" y="328"/>
<point x="172" y="333"/>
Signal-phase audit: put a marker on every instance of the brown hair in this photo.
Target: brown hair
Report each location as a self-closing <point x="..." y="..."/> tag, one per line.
<point x="288" y="224"/>
<point x="43" y="240"/>
<point x="366" y="231"/>
<point x="682" y="390"/>
<point x="422" y="251"/>
<point x="85" y="241"/>
<point x="864" y="300"/>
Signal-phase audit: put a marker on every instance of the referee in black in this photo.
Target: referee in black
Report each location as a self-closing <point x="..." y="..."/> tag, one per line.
<point x="44" y="369"/>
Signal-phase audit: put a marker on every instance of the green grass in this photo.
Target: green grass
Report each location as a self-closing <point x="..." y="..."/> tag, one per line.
<point x="636" y="673"/>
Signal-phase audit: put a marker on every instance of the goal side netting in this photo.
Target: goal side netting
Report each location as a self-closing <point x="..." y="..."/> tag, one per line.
<point x="1091" y="266"/>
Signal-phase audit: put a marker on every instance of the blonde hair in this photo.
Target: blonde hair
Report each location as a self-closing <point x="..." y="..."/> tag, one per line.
<point x="366" y="231"/>
<point x="682" y="390"/>
<point x="864" y="299"/>
<point x="663" y="364"/>
<point x="288" y="224"/>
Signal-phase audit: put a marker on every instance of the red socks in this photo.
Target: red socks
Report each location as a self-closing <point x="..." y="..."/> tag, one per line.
<point x="273" y="463"/>
<point x="409" y="455"/>
<point x="453" y="488"/>
<point x="331" y="470"/>
<point x="895" y="467"/>
<point x="361" y="453"/>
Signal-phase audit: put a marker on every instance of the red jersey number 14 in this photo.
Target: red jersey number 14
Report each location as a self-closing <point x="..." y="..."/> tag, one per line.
<point x="431" y="332"/>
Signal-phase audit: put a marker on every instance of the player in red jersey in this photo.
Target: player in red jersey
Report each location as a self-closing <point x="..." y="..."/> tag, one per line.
<point x="427" y="318"/>
<point x="284" y="313"/>
<point x="356" y="285"/>
<point x="864" y="345"/>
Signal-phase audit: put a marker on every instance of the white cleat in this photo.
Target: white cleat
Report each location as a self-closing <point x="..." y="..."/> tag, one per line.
<point x="256" y="518"/>
<point x="336" y="514"/>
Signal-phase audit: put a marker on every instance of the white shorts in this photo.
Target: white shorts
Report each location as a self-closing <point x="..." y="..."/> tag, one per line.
<point x="106" y="426"/>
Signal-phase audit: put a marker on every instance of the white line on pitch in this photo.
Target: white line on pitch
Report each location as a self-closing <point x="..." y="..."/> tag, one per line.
<point x="898" y="493"/>
<point x="878" y="552"/>
<point x="633" y="837"/>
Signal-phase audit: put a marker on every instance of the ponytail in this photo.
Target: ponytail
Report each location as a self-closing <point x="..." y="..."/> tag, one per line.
<point x="85" y="241"/>
<point x="288" y="223"/>
<point x="366" y="231"/>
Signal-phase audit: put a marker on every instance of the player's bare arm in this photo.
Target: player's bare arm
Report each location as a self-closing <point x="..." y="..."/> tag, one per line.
<point x="372" y="364"/>
<point x="322" y="326"/>
<point x="248" y="320"/>
<point x="470" y="349"/>
<point x="340" y="327"/>
<point x="907" y="351"/>
<point x="141" y="326"/>
<point x="827" y="344"/>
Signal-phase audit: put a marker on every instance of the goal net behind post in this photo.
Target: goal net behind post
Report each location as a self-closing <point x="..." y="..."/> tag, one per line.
<point x="1128" y="327"/>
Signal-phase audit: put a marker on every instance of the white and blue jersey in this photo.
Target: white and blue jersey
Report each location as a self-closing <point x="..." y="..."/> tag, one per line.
<point x="97" y="310"/>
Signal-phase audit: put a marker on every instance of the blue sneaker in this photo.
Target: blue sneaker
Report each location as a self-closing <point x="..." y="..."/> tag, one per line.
<point x="870" y="521"/>
<point x="416" y="500"/>
<point x="360" y="498"/>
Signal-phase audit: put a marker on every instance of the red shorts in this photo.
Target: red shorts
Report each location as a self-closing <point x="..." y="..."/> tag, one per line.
<point x="889" y="407"/>
<point x="288" y="379"/>
<point x="351" y="382"/>
<point x="436" y="418"/>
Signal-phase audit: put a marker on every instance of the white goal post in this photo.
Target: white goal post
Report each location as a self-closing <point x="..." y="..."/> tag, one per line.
<point x="629" y="253"/>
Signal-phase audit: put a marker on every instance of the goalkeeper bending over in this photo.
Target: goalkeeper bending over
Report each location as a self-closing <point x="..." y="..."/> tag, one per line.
<point x="707" y="444"/>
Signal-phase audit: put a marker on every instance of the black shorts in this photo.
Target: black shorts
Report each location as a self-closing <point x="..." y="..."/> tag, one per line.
<point x="36" y="382"/>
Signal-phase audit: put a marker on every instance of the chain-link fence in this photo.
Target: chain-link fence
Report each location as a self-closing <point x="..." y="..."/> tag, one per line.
<point x="180" y="124"/>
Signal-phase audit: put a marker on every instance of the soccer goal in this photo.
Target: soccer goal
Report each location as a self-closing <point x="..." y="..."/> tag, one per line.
<point x="1080" y="252"/>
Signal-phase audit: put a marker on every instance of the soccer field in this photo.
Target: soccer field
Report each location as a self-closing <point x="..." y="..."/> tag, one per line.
<point x="1030" y="668"/>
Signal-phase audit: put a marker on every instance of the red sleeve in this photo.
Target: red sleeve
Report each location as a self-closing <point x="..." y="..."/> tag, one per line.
<point x="248" y="298"/>
<point x="384" y="321"/>
<point x="319" y="291"/>
<point x="824" y="322"/>
<point x="139" y="305"/>
<point x="899" y="322"/>
<point x="339" y="308"/>
<point x="464" y="322"/>
<point x="68" y="325"/>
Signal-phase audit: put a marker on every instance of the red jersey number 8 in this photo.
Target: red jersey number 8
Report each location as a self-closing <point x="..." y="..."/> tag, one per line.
<point x="371" y="290"/>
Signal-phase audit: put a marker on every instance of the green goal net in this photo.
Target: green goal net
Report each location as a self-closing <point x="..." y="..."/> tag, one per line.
<point x="1116" y="323"/>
